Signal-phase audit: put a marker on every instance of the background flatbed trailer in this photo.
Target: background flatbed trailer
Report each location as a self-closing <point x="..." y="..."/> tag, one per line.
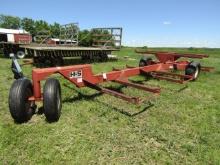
<point x="51" y="51"/>
<point x="55" y="54"/>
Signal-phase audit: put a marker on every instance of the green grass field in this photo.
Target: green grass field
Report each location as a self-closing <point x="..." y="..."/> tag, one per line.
<point x="181" y="127"/>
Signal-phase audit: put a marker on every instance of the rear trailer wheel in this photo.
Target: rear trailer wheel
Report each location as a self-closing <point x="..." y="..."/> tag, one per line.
<point x="145" y="61"/>
<point x="193" y="69"/>
<point x="52" y="100"/>
<point x="20" y="54"/>
<point x="20" y="107"/>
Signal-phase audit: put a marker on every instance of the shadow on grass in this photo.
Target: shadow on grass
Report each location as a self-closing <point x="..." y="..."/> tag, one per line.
<point x="171" y="90"/>
<point x="124" y="112"/>
<point x="93" y="96"/>
<point x="87" y="97"/>
<point x="82" y="96"/>
<point x="217" y="72"/>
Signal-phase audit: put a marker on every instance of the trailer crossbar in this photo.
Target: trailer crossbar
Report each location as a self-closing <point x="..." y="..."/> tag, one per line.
<point x="138" y="86"/>
<point x="135" y="100"/>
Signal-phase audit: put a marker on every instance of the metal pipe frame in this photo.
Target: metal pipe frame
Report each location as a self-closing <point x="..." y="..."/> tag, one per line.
<point x="171" y="56"/>
<point x="82" y="76"/>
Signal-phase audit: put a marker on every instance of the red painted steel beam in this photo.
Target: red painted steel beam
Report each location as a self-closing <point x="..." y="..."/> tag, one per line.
<point x="171" y="77"/>
<point x="41" y="74"/>
<point x="125" y="73"/>
<point x="168" y="79"/>
<point x="189" y="55"/>
<point x="122" y="96"/>
<point x="171" y="56"/>
<point x="135" y="100"/>
<point x="207" y="69"/>
<point x="138" y="86"/>
<point x="172" y="74"/>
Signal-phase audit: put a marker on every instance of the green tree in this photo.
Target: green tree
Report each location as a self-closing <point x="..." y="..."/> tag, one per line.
<point x="55" y="30"/>
<point x="10" y="22"/>
<point x="28" y="25"/>
<point x="85" y="38"/>
<point x="41" y="30"/>
<point x="41" y="25"/>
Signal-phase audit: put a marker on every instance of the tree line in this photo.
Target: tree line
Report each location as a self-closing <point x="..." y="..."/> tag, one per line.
<point x="36" y="26"/>
<point x="28" y="24"/>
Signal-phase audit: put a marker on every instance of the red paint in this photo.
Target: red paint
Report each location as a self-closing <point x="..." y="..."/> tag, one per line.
<point x="22" y="38"/>
<point x="51" y="42"/>
<point x="167" y="61"/>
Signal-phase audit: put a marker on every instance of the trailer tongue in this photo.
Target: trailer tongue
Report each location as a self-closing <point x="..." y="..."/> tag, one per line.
<point x="82" y="76"/>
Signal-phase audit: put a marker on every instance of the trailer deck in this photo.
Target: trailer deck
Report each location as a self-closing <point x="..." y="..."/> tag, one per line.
<point x="52" y="48"/>
<point x="104" y="41"/>
<point x="55" y="54"/>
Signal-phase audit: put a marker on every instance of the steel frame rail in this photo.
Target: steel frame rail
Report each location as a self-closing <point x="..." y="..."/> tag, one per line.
<point x="82" y="75"/>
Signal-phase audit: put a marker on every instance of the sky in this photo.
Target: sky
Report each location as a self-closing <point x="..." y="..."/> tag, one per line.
<point x="153" y="23"/>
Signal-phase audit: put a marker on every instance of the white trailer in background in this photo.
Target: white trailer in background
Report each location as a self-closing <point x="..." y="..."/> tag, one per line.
<point x="11" y="39"/>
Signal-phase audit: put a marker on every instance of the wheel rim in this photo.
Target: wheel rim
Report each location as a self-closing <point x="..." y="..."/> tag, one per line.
<point x="196" y="73"/>
<point x="20" y="54"/>
<point x="141" y="64"/>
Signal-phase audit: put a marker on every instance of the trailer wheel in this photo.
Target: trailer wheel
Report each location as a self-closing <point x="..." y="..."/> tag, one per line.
<point x="20" y="54"/>
<point x="193" y="69"/>
<point x="20" y="107"/>
<point x="145" y="61"/>
<point x="52" y="100"/>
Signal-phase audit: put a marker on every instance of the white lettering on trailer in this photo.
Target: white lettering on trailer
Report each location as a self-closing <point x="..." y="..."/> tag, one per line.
<point x="79" y="80"/>
<point x="104" y="76"/>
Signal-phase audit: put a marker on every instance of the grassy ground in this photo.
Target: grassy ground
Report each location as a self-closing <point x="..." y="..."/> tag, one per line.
<point x="181" y="127"/>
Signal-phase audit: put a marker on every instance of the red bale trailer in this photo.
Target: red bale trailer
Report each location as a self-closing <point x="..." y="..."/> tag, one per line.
<point x="25" y="93"/>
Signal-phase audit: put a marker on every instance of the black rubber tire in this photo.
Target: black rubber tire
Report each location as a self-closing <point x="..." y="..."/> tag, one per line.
<point x="193" y="69"/>
<point x="145" y="61"/>
<point x="19" y="106"/>
<point x="52" y="100"/>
